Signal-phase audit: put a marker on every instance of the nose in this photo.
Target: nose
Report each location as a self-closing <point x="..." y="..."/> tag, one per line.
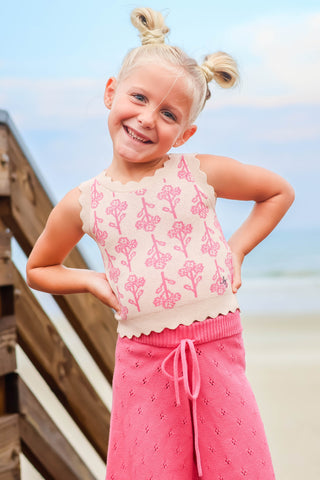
<point x="146" y="117"/>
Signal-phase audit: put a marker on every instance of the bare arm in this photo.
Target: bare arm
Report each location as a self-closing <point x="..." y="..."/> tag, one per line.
<point x="45" y="270"/>
<point x="272" y="195"/>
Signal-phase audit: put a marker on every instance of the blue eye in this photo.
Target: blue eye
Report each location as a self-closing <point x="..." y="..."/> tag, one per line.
<point x="139" y="97"/>
<point x="169" y="115"/>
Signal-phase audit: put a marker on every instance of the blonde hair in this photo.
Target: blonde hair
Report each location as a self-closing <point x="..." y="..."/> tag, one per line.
<point x="218" y="66"/>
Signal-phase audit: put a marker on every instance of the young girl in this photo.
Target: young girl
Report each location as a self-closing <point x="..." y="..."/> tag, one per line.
<point x="182" y="406"/>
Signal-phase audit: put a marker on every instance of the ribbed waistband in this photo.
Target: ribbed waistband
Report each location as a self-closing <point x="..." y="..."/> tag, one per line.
<point x="199" y="332"/>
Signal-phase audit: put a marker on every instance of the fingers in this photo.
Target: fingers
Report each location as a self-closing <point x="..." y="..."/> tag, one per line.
<point x="100" y="288"/>
<point x="110" y="299"/>
<point x="236" y="281"/>
<point x="114" y="303"/>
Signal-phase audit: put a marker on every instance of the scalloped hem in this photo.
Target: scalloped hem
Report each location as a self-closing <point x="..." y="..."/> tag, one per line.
<point x="171" y="319"/>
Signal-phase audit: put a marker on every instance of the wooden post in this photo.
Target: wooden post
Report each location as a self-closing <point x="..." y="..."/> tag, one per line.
<point x="10" y="447"/>
<point x="8" y="334"/>
<point x="9" y="424"/>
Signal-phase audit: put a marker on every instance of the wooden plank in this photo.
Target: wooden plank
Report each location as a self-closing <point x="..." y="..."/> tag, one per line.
<point x="46" y="349"/>
<point x="9" y="447"/>
<point x="7" y="323"/>
<point x="42" y="442"/>
<point x="95" y="325"/>
<point x="6" y="271"/>
<point x="26" y="215"/>
<point x="8" y="338"/>
<point x="4" y="162"/>
<point x="2" y="396"/>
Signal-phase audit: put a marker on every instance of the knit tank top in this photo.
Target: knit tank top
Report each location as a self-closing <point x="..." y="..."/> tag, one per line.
<point x="163" y="249"/>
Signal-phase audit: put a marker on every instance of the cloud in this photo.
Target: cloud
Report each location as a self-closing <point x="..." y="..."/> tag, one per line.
<point x="44" y="103"/>
<point x="279" y="62"/>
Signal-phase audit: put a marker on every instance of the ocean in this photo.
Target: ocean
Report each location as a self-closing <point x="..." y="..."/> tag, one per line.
<point x="283" y="274"/>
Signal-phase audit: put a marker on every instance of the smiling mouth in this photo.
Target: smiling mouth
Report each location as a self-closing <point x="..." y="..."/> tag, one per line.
<point x="135" y="136"/>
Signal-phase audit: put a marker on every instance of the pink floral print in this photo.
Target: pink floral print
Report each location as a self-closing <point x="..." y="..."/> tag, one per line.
<point x="141" y="191"/>
<point x="170" y="194"/>
<point x="100" y="235"/>
<point x="158" y="259"/>
<point x="221" y="236"/>
<point x="180" y="231"/>
<point x="184" y="172"/>
<point x="116" y="209"/>
<point x="199" y="207"/>
<point x="133" y="285"/>
<point x="123" y="310"/>
<point x="96" y="196"/>
<point x="220" y="283"/>
<point x="166" y="298"/>
<point x="210" y="246"/>
<point x="229" y="264"/>
<point x="147" y="221"/>
<point x="126" y="247"/>
<point x="112" y="270"/>
<point x="191" y="271"/>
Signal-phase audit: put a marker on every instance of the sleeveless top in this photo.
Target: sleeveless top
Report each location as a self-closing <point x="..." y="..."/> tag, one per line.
<point x="163" y="249"/>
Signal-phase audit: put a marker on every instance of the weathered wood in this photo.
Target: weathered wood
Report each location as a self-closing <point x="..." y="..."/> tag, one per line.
<point x="9" y="447"/>
<point x="6" y="271"/>
<point x="26" y="215"/>
<point x="46" y="349"/>
<point x="42" y="442"/>
<point x="7" y="323"/>
<point x="4" y="162"/>
<point x="95" y="325"/>
<point x="8" y="338"/>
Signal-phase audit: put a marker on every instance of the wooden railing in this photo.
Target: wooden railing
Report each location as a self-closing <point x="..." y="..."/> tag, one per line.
<point x="25" y="426"/>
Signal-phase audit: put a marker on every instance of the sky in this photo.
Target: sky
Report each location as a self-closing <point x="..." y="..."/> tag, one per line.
<point x="55" y="58"/>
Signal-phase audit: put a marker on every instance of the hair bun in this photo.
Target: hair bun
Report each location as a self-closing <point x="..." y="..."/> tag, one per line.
<point x="222" y="68"/>
<point x="150" y="24"/>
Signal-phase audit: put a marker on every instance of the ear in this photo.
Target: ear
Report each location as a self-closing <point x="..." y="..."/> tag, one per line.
<point x="185" y="136"/>
<point x="109" y="92"/>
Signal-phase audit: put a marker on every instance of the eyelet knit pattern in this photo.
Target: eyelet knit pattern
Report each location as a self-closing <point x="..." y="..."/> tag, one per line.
<point x="163" y="249"/>
<point x="152" y="435"/>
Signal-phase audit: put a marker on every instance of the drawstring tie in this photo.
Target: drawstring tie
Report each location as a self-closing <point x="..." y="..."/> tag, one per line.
<point x="192" y="392"/>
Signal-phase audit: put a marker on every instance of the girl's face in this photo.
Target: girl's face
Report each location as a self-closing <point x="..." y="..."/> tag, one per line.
<point x="149" y="111"/>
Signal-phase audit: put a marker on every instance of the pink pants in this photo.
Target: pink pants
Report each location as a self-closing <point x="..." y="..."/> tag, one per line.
<point x="183" y="408"/>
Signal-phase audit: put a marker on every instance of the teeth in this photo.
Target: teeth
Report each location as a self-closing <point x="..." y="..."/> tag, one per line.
<point x="133" y="135"/>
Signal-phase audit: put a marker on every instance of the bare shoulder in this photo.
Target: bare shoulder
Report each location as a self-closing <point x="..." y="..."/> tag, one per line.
<point x="236" y="180"/>
<point x="220" y="170"/>
<point x="64" y="223"/>
<point x="69" y="208"/>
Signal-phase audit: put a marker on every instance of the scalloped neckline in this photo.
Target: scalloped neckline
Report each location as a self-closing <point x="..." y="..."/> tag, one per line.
<point x="108" y="182"/>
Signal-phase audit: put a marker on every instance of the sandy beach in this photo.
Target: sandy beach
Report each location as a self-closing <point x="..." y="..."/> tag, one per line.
<point x="283" y="365"/>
